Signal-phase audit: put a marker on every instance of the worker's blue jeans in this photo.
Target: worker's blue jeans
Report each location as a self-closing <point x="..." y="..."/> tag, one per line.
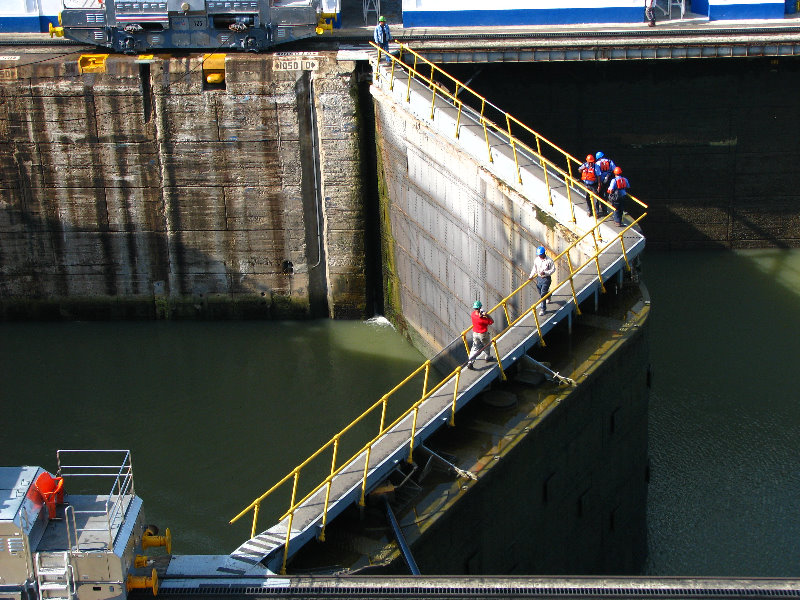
<point x="543" y="285"/>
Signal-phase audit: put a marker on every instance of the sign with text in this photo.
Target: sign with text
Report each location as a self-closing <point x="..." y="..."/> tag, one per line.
<point x="291" y="61"/>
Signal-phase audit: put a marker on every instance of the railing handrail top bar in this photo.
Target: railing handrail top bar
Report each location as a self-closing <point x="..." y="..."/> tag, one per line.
<point x="508" y="115"/>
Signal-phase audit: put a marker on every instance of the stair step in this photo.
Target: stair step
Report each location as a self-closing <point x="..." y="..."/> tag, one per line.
<point x="52" y="585"/>
<point x="52" y="571"/>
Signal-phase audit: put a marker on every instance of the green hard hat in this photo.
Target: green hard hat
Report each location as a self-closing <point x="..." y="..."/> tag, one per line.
<point x="381" y="18"/>
<point x="477" y="304"/>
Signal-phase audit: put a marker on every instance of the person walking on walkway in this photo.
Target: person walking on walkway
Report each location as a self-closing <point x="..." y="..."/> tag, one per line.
<point x="481" y="338"/>
<point x="589" y="179"/>
<point x="383" y="36"/>
<point x="617" y="190"/>
<point x="650" y="12"/>
<point x="605" y="173"/>
<point x="543" y="269"/>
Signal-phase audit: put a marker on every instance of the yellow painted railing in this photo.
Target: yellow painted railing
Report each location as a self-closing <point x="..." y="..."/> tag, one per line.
<point x="434" y="79"/>
<point x="423" y="371"/>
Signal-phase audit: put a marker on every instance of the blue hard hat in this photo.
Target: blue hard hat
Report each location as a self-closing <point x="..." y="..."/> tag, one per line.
<point x="599" y="155"/>
<point x="477" y="304"/>
<point x="540" y="251"/>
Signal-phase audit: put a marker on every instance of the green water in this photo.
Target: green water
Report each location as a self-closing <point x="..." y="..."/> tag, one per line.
<point x="216" y="412"/>
<point x="724" y="416"/>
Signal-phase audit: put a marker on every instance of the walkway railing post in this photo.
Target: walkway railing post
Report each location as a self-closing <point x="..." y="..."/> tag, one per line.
<point x="499" y="363"/>
<point x="328" y="491"/>
<point x="572" y="284"/>
<point x="513" y="143"/>
<point x="455" y="397"/>
<point x="425" y="382"/>
<point x="486" y="131"/>
<point x="253" y="530"/>
<point x="286" y="545"/>
<point x="385" y="401"/>
<point x="410" y="458"/>
<point x="544" y="169"/>
<point x="361" y="501"/>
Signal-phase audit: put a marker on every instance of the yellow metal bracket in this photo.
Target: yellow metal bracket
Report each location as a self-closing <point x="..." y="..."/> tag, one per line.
<point x="325" y="23"/>
<point x="142" y="582"/>
<point x="214" y="68"/>
<point x="92" y="63"/>
<point x="56" y="31"/>
<point x="150" y="540"/>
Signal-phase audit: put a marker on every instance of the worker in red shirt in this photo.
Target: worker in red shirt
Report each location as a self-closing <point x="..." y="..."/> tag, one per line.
<point x="481" y="338"/>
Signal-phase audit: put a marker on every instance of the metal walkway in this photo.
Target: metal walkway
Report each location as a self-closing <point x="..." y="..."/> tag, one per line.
<point x="552" y="191"/>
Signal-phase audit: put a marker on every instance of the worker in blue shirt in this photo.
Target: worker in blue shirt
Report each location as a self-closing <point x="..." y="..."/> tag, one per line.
<point x="605" y="173"/>
<point x="589" y="179"/>
<point x="383" y="36"/>
<point x="617" y="190"/>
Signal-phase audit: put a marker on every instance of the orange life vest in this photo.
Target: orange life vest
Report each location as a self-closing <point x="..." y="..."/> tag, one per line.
<point x="588" y="174"/>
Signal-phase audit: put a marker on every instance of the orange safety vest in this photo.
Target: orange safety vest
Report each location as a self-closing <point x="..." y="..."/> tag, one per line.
<point x="587" y="173"/>
<point x="622" y="183"/>
<point x="604" y="164"/>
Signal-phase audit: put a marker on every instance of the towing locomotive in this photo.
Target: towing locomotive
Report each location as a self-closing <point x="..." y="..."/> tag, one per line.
<point x="141" y="26"/>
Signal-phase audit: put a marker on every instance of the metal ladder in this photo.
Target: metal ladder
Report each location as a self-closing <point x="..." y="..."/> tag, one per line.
<point x="54" y="575"/>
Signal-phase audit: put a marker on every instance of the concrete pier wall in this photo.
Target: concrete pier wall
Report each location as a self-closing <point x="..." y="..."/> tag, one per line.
<point x="143" y="192"/>
<point x="563" y="492"/>
<point x="452" y="232"/>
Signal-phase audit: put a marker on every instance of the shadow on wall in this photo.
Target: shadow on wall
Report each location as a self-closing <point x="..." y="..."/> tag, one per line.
<point x="52" y="269"/>
<point x="133" y="194"/>
<point x="707" y="144"/>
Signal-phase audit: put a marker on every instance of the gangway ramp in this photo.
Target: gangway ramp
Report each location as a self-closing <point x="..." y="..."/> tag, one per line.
<point x="599" y="252"/>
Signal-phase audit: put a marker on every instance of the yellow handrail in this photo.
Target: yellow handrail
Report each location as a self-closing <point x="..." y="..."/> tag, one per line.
<point x="505" y="133"/>
<point x="366" y="450"/>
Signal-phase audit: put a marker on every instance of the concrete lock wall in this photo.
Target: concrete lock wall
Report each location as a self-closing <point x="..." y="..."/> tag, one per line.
<point x="567" y="496"/>
<point x="452" y="233"/>
<point x="143" y="192"/>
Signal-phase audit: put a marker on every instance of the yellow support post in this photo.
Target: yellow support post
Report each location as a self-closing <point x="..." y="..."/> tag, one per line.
<point x="328" y="491"/>
<point x="513" y="143"/>
<point x="543" y="164"/>
<point x="599" y="274"/>
<point x="572" y="284"/>
<point x="505" y="310"/>
<point x="385" y="401"/>
<point x="410" y="458"/>
<point x="361" y="501"/>
<point x="253" y="529"/>
<point x="286" y="545"/>
<point x="538" y="327"/>
<point x="455" y="397"/>
<point x="425" y="382"/>
<point x="569" y="183"/>
<point x="499" y="364"/>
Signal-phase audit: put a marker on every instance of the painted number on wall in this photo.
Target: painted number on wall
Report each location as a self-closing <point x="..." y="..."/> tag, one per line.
<point x="288" y="62"/>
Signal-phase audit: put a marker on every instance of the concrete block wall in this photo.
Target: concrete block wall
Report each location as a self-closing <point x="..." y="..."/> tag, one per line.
<point x="452" y="232"/>
<point x="567" y="496"/>
<point x="144" y="192"/>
